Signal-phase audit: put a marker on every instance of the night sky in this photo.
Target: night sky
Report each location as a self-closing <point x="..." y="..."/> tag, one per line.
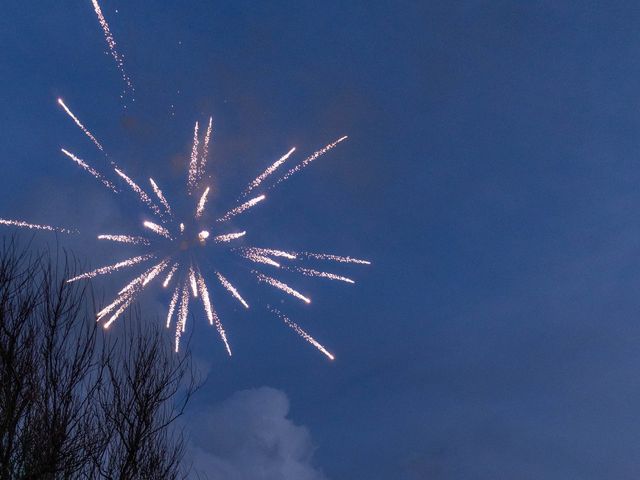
<point x="492" y="177"/>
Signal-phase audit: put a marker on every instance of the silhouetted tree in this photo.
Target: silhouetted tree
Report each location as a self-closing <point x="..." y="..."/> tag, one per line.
<point x="75" y="403"/>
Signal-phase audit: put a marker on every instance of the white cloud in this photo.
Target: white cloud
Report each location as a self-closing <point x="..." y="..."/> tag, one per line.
<point x="249" y="437"/>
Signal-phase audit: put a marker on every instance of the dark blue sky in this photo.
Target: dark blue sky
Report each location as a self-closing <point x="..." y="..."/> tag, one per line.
<point x="491" y="175"/>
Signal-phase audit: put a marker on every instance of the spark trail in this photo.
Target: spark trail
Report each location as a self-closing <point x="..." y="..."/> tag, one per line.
<point x="90" y="170"/>
<point x="173" y="270"/>
<point x="141" y="193"/>
<point x="205" y="151"/>
<point x="281" y="285"/>
<point x="160" y="196"/>
<point x="336" y="258"/>
<point x="111" y="42"/>
<point x="202" y="203"/>
<point x="125" y="239"/>
<point x="309" y="272"/>
<point x="226" y="284"/>
<point x="268" y="172"/>
<point x="113" y="268"/>
<point x="211" y="314"/>
<point x="159" y="229"/>
<point x="270" y="251"/>
<point x="227" y="237"/>
<point x="193" y="164"/>
<point x="80" y="125"/>
<point x="310" y="159"/>
<point x="34" y="226"/>
<point x="238" y="210"/>
<point x="172" y="305"/>
<point x="296" y="328"/>
<point x="256" y="258"/>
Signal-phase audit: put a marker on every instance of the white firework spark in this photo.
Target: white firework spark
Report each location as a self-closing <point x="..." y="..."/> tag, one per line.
<point x="270" y="251"/>
<point x="80" y="125"/>
<point x="336" y="258"/>
<point x="111" y="42"/>
<point x="192" y="281"/>
<point x="183" y="313"/>
<point x="172" y="305"/>
<point x="310" y="159"/>
<point x="113" y="268"/>
<point x="159" y="229"/>
<point x="256" y="258"/>
<point x="205" y="150"/>
<point x="141" y="193"/>
<point x="178" y="244"/>
<point x="167" y="280"/>
<point x="296" y="328"/>
<point x="281" y="285"/>
<point x="211" y="314"/>
<point x="160" y="196"/>
<point x="227" y="237"/>
<point x="125" y="239"/>
<point x="309" y="272"/>
<point x="268" y="172"/>
<point x="202" y="203"/>
<point x="34" y="226"/>
<point x="231" y="289"/>
<point x="193" y="164"/>
<point x="241" y="208"/>
<point x="91" y="170"/>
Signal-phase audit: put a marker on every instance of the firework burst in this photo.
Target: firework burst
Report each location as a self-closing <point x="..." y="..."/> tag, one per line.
<point x="174" y="247"/>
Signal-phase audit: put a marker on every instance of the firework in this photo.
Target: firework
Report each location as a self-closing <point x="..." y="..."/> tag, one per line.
<point x="125" y="239"/>
<point x="80" y="125"/>
<point x="205" y="150"/>
<point x="202" y="203"/>
<point x="173" y="270"/>
<point x="159" y="229"/>
<point x="193" y="164"/>
<point x="211" y="314"/>
<point x="296" y="328"/>
<point x="336" y="258"/>
<point x="310" y="159"/>
<point x="231" y="289"/>
<point x="160" y="196"/>
<point x="268" y="172"/>
<point x="256" y="258"/>
<point x="245" y="206"/>
<point x="281" y="285"/>
<point x="113" y="268"/>
<point x="111" y="42"/>
<point x="192" y="281"/>
<point x="270" y="251"/>
<point x="33" y="226"/>
<point x="172" y="305"/>
<point x="227" y="237"/>
<point x="176" y="245"/>
<point x="141" y="193"/>
<point x="91" y="170"/>
<point x="309" y="272"/>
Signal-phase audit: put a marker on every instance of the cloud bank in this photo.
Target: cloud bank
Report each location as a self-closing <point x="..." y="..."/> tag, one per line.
<point x="249" y="437"/>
